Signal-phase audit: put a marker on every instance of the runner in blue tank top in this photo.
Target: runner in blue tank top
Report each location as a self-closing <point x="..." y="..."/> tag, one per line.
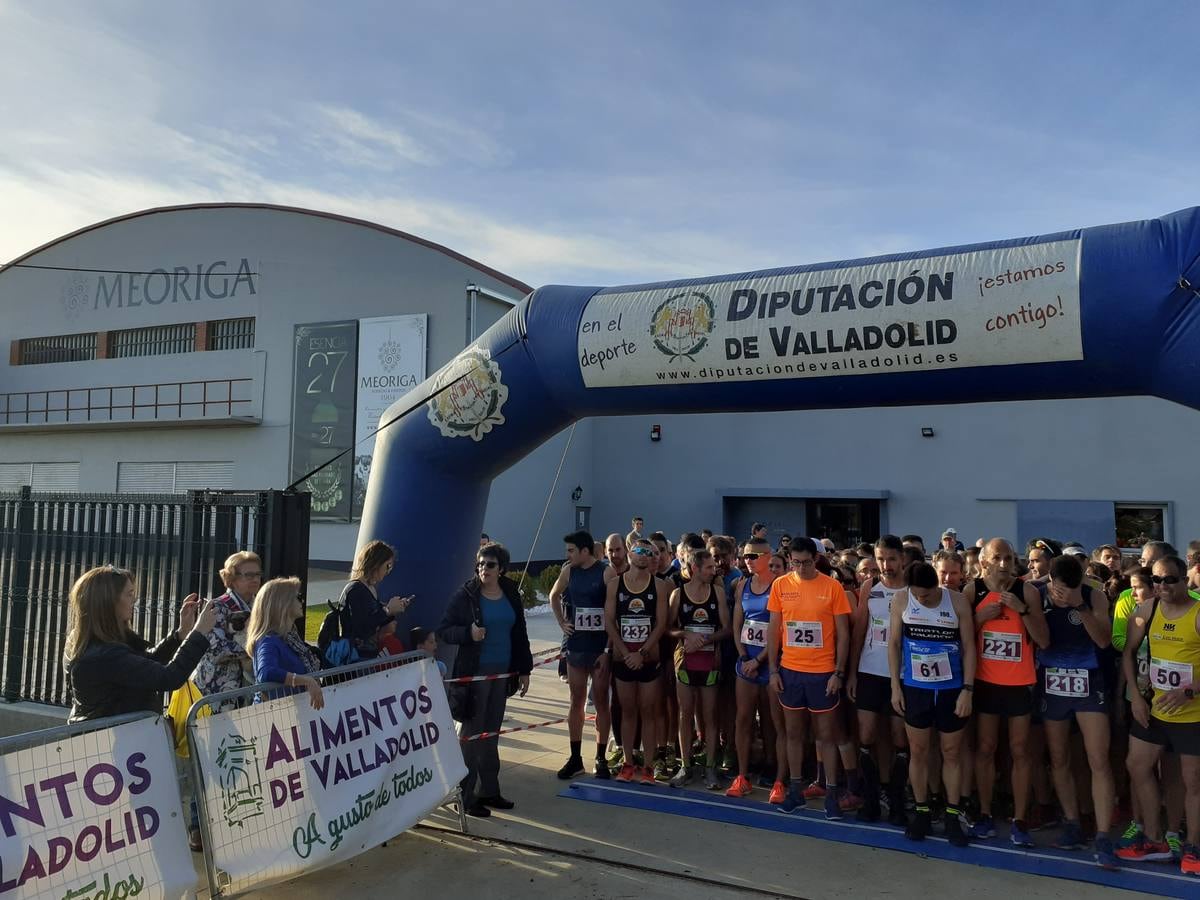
<point x="577" y="600"/>
<point x="933" y="682"/>
<point x="750" y="621"/>
<point x="1071" y="685"/>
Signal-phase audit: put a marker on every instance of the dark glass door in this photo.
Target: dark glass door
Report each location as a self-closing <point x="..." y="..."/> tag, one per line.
<point x="845" y="522"/>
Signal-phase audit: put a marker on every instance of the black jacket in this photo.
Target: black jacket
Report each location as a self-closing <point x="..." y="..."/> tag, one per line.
<point x="456" y="629"/>
<point x="108" y="679"/>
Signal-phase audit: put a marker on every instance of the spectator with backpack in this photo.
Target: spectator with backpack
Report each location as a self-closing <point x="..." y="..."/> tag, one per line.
<point x="364" y="618"/>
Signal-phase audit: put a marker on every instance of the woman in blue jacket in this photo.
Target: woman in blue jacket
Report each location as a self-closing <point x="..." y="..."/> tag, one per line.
<point x="279" y="653"/>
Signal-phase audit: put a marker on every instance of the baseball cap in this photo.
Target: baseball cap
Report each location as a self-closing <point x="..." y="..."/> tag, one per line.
<point x="950" y="532"/>
<point x="1075" y="551"/>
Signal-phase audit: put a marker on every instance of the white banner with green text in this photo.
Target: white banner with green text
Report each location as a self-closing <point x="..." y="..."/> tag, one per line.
<point x="290" y="789"/>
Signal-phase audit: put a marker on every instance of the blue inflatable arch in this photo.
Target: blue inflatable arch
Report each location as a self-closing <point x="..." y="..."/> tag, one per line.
<point x="1111" y="310"/>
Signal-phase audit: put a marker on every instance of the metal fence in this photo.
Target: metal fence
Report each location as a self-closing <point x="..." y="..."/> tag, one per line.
<point x="174" y="544"/>
<point x="214" y="704"/>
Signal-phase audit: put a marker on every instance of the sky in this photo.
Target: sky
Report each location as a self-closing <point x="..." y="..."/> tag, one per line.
<point x="606" y="143"/>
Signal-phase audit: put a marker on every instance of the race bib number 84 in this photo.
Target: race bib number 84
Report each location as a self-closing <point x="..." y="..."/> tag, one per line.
<point x="754" y="634"/>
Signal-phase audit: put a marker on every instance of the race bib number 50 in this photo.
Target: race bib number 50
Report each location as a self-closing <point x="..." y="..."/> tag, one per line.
<point x="1166" y="675"/>
<point x="805" y="635"/>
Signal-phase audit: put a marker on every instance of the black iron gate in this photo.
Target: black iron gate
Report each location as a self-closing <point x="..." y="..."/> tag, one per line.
<point x="173" y="543"/>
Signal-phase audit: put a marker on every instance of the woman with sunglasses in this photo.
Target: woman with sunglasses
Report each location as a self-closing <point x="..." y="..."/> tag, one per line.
<point x="750" y="621"/>
<point x="486" y="622"/>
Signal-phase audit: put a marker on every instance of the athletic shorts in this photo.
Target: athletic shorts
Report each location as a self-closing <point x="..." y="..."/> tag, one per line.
<point x="1174" y="737"/>
<point x="806" y="690"/>
<point x="647" y="673"/>
<point x="924" y="708"/>
<point x="1003" y="700"/>
<point x="762" y="676"/>
<point x="1055" y="707"/>
<point x="584" y="659"/>
<point x="875" y="694"/>
<point x="694" y="678"/>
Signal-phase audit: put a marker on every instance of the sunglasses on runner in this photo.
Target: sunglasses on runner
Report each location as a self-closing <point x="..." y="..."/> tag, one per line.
<point x="644" y="551"/>
<point x="751" y="557"/>
<point x="801" y="563"/>
<point x="1165" y="579"/>
<point x="488" y="564"/>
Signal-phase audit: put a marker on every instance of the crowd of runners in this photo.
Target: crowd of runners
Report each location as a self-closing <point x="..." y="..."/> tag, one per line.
<point x="1060" y="682"/>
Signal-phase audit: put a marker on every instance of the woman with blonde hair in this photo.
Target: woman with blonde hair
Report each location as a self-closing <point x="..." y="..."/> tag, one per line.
<point x="279" y="653"/>
<point x="369" y="614"/>
<point x="111" y="669"/>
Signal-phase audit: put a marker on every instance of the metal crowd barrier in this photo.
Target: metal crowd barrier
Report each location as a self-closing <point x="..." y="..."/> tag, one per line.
<point x="216" y="703"/>
<point x="44" y="736"/>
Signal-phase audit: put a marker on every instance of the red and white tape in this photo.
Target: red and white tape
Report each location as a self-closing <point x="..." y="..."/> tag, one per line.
<point x="492" y="734"/>
<point x="467" y="679"/>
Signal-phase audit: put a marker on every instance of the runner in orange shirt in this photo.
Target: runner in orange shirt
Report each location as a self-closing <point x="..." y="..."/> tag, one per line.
<point x="808" y="644"/>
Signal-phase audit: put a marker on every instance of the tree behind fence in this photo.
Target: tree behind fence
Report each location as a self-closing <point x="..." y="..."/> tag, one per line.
<point x="174" y="544"/>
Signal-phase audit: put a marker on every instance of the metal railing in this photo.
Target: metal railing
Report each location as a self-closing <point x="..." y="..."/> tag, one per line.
<point x="215" y="704"/>
<point x="165" y="401"/>
<point x="174" y="544"/>
<point x="43" y="736"/>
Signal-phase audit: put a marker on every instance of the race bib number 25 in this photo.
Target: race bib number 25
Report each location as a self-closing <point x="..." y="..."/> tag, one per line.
<point x="805" y="635"/>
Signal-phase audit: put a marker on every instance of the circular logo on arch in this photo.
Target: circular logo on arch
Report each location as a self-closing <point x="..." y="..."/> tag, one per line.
<point x="681" y="325"/>
<point x="474" y="401"/>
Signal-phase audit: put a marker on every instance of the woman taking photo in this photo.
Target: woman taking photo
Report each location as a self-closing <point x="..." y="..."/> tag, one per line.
<point x="111" y="669"/>
<point x="369" y="615"/>
<point x="486" y="622"/>
<point x="280" y="655"/>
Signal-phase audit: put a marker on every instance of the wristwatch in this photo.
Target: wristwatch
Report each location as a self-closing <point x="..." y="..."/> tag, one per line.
<point x="969" y="688"/>
<point x="1189" y="693"/>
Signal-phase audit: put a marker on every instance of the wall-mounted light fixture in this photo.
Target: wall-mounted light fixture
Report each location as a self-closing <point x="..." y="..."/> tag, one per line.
<point x="926" y="431"/>
<point x="656" y="432"/>
<point x="577" y="494"/>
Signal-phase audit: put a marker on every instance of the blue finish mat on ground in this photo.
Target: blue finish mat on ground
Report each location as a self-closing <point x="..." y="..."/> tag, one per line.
<point x="1163" y="880"/>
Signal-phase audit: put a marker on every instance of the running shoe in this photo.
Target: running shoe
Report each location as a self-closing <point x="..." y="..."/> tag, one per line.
<point x="1176" y="845"/>
<point x="918" y="828"/>
<point x="1132" y="832"/>
<point x="571" y="768"/>
<point x="682" y="778"/>
<point x="627" y="773"/>
<point x="1043" y="817"/>
<point x="661" y="772"/>
<point x="646" y="777"/>
<point x="778" y="793"/>
<point x="954" y="828"/>
<point x="616" y="758"/>
<point x="1142" y="849"/>
<point x="671" y="760"/>
<point x="1189" y="863"/>
<point x="741" y="787"/>
<point x="985" y="827"/>
<point x="1104" y="855"/>
<point x="833" y="808"/>
<point x="729" y="760"/>
<point x="601" y="770"/>
<point x="1070" y="838"/>
<point x="1018" y="835"/>
<point x="711" y="781"/>
<point x="814" y="791"/>
<point x="849" y="801"/>
<point x="792" y="801"/>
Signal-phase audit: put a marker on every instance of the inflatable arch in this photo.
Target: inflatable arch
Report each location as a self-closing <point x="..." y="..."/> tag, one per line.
<point x="1099" y="311"/>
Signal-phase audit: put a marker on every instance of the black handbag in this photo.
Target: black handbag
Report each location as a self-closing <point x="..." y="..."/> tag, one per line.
<point x="461" y="701"/>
